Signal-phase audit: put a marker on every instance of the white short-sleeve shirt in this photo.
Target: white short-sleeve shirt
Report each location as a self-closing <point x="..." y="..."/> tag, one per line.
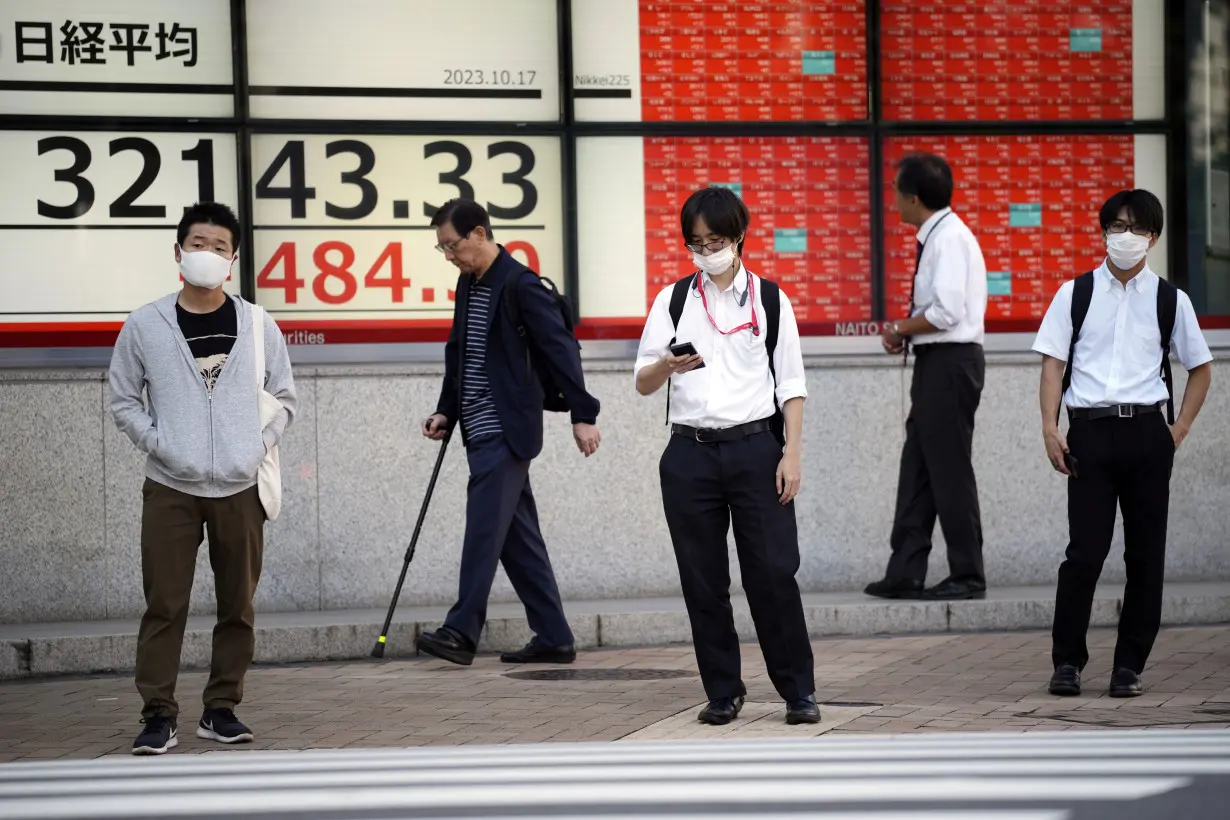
<point x="1118" y="357"/>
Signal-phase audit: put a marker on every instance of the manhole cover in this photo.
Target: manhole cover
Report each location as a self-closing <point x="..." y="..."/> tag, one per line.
<point x="1137" y="717"/>
<point x="599" y="674"/>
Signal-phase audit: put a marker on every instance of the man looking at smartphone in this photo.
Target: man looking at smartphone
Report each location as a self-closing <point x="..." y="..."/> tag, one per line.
<point x="1105" y="342"/>
<point x="733" y="454"/>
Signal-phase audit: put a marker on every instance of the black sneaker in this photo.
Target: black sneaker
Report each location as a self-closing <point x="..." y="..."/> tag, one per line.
<point x="222" y="725"/>
<point x="158" y="735"/>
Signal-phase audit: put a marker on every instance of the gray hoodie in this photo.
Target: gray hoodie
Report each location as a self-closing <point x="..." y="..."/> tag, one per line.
<point x="201" y="444"/>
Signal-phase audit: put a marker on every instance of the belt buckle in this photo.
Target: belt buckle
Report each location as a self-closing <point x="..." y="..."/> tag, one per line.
<point x="700" y="431"/>
<point x="1131" y="411"/>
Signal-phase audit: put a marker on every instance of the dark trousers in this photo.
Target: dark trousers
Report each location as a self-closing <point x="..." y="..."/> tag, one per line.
<point x="173" y="524"/>
<point x="937" y="468"/>
<point x="502" y="528"/>
<point x="704" y="488"/>
<point x="1123" y="462"/>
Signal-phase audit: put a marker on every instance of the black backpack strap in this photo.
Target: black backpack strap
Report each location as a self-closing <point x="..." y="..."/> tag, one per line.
<point x="1082" y="295"/>
<point x="770" y="297"/>
<point x="679" y="298"/>
<point x="1167" y="307"/>
<point x="511" y="299"/>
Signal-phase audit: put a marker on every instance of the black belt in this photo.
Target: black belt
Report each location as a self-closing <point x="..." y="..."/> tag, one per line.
<point x="710" y="435"/>
<point x="1115" y="411"/>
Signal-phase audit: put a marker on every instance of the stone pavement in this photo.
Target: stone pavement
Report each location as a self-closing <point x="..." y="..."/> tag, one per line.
<point x="927" y="683"/>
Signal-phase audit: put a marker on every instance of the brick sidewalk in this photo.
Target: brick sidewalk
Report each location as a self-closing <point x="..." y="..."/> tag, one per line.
<point x="925" y="683"/>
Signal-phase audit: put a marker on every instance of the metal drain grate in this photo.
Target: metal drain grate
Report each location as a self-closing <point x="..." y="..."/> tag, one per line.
<point x="850" y="704"/>
<point x="1137" y="717"/>
<point x="599" y="674"/>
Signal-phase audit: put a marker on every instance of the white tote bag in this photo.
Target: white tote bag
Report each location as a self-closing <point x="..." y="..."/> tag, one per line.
<point x="269" y="475"/>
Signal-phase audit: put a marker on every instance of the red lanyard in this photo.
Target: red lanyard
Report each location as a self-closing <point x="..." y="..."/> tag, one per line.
<point x="753" y="325"/>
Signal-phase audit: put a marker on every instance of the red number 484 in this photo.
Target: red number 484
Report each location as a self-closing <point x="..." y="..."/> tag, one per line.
<point x="336" y="284"/>
<point x="333" y="261"/>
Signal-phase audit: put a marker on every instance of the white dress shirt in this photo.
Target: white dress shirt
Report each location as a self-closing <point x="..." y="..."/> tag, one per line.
<point x="735" y="385"/>
<point x="1118" y="358"/>
<point x="951" y="283"/>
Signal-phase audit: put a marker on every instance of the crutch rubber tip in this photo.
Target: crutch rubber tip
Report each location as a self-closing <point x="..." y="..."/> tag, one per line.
<point x="378" y="650"/>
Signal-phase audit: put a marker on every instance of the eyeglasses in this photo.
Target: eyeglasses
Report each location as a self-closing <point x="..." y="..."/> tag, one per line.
<point x="449" y="247"/>
<point x="1119" y="226"/>
<point x="709" y="247"/>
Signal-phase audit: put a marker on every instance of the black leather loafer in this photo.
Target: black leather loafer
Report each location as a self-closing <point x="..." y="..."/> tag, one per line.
<point x="895" y="588"/>
<point x="1066" y="680"/>
<point x="447" y="645"/>
<point x="804" y="710"/>
<point x="957" y="589"/>
<point x="535" y="652"/>
<point x="1124" y="683"/>
<point x="720" y="712"/>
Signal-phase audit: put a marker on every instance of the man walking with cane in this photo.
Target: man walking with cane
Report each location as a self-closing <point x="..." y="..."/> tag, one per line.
<point x="488" y="373"/>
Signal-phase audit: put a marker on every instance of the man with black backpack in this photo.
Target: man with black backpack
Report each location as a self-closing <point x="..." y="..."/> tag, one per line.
<point x="725" y="343"/>
<point x="1106" y="342"/>
<point x="510" y="355"/>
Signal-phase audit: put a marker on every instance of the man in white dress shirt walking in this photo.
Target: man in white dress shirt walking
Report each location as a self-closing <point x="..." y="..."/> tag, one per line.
<point x="735" y="404"/>
<point x="945" y="329"/>
<point x="1106" y="341"/>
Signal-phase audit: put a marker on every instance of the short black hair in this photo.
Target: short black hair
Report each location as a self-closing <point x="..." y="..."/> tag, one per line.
<point x="1142" y="206"/>
<point x="722" y="210"/>
<point x="927" y="177"/>
<point x="464" y="215"/>
<point x="209" y="213"/>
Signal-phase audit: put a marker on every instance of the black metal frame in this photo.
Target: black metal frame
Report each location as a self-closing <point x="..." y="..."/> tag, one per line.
<point x="874" y="129"/>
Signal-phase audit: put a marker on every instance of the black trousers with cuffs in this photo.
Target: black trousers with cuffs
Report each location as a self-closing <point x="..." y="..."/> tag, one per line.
<point x="937" y="468"/>
<point x="1124" y="463"/>
<point x="707" y="487"/>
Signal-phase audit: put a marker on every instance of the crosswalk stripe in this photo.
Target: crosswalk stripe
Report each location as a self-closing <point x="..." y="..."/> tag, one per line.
<point x="1064" y="745"/>
<point x="872" y="814"/>
<point x="225" y="801"/>
<point x="1197" y="750"/>
<point x="1007" y="776"/>
<point x="255" y="778"/>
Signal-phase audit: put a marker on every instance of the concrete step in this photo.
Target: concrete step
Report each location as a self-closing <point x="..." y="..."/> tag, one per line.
<point x="35" y="650"/>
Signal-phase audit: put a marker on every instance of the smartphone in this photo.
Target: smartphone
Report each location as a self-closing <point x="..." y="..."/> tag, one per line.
<point x="686" y="349"/>
<point x="1071" y="463"/>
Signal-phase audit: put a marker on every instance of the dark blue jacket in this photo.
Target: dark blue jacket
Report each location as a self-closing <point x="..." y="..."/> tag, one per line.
<point x="518" y="394"/>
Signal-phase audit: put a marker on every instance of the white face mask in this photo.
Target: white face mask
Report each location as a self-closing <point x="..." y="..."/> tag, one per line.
<point x="718" y="262"/>
<point x="205" y="269"/>
<point x="1126" y="249"/>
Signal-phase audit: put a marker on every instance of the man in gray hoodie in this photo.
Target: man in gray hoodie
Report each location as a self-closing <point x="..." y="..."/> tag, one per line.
<point x="183" y="389"/>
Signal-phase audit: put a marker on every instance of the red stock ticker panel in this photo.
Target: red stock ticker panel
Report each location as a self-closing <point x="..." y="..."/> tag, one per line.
<point x="1006" y="60"/>
<point x="1032" y="202"/>
<point x="753" y="61"/>
<point x="808" y="197"/>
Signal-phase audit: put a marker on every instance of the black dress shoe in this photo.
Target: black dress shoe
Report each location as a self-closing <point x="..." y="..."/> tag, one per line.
<point x="895" y="588"/>
<point x="447" y="644"/>
<point x="720" y="712"/>
<point x="1066" y="680"/>
<point x="535" y="652"/>
<point x="1124" y="683"/>
<point x="803" y="710"/>
<point x="957" y="589"/>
